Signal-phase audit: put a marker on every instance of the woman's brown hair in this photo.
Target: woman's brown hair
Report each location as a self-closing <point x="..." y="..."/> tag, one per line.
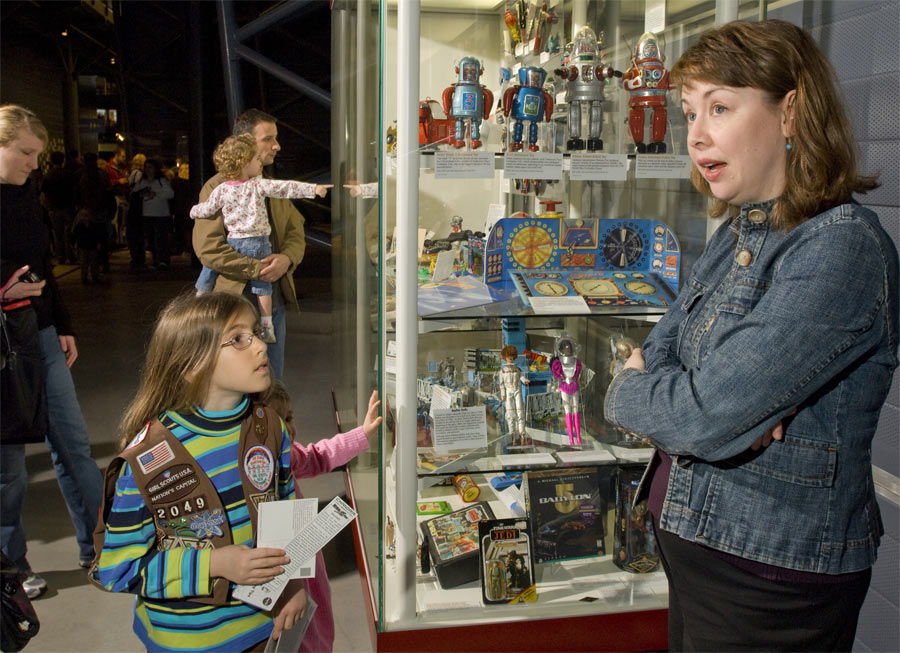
<point x="185" y="343"/>
<point x="777" y="57"/>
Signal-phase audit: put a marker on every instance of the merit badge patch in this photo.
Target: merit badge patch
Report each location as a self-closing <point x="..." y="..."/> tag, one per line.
<point x="259" y="466"/>
<point x="156" y="457"/>
<point x="139" y="437"/>
<point x="207" y="523"/>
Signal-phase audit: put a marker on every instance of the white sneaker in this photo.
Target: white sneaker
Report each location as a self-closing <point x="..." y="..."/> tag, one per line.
<point x="34" y="586"/>
<point x="267" y="334"/>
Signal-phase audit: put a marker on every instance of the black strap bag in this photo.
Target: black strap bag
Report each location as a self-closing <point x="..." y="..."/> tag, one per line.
<point x="19" y="622"/>
<point x="23" y="397"/>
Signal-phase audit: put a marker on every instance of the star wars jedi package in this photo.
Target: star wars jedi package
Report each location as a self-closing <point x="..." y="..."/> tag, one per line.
<point x="451" y="544"/>
<point x="634" y="543"/>
<point x="568" y="509"/>
<point x="507" y="561"/>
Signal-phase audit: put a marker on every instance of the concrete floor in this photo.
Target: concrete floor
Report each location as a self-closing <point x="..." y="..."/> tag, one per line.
<point x="112" y="322"/>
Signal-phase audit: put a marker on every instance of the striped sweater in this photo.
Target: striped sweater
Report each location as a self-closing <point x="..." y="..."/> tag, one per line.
<point x="130" y="562"/>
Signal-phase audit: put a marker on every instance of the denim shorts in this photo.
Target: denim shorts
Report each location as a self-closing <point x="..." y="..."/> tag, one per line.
<point x="257" y="247"/>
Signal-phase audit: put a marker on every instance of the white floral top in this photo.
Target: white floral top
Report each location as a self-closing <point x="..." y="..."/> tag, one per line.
<point x="243" y="205"/>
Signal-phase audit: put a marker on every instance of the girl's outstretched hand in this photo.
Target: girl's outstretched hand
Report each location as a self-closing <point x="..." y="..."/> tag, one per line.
<point x="373" y="419"/>
<point x="322" y="189"/>
<point x="245" y="566"/>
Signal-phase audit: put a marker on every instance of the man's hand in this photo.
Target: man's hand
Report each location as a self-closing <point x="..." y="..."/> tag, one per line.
<point x="245" y="566"/>
<point x="274" y="267"/>
<point x="289" y="608"/>
<point x="67" y="344"/>
<point x="636" y="360"/>
<point x="15" y="288"/>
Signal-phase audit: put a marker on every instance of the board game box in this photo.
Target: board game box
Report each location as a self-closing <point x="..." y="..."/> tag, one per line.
<point x="568" y="510"/>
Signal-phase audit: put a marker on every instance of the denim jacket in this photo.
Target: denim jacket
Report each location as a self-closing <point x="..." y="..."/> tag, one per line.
<point x="772" y="321"/>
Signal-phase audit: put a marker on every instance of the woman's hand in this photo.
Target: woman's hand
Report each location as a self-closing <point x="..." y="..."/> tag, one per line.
<point x="15" y="288"/>
<point x="245" y="566"/>
<point x="774" y="433"/>
<point x="67" y="344"/>
<point x="636" y="360"/>
<point x="373" y="419"/>
<point x="289" y="608"/>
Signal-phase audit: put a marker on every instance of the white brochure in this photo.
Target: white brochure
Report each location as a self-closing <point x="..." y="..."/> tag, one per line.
<point x="328" y="523"/>
<point x="280" y="522"/>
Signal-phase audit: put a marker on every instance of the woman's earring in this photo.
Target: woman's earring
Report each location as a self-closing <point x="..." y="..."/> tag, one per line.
<point x="789" y="147"/>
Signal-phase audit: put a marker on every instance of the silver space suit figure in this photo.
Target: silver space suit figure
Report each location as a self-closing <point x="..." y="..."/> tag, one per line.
<point x="566" y="369"/>
<point x="511" y="375"/>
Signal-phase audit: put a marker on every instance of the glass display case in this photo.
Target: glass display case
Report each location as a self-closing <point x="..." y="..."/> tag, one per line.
<point x="516" y="213"/>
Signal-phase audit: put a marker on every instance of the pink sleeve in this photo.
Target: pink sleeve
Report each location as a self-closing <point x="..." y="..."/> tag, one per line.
<point x="308" y="460"/>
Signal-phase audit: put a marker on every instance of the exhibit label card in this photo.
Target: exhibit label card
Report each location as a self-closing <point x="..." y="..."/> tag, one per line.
<point x="460" y="428"/>
<point x="532" y="165"/>
<point x="662" y="166"/>
<point x="463" y="165"/>
<point x="598" y="167"/>
<point x="328" y="523"/>
<point x="559" y="305"/>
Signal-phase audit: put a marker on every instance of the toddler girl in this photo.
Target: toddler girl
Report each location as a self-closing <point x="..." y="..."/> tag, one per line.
<point x="308" y="461"/>
<point x="241" y="199"/>
<point x="179" y="528"/>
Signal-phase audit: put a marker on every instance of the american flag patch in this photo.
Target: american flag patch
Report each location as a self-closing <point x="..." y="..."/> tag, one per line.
<point x="155" y="457"/>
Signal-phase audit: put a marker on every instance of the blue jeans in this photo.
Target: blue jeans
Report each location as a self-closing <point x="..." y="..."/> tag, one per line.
<point x="79" y="477"/>
<point x="257" y="247"/>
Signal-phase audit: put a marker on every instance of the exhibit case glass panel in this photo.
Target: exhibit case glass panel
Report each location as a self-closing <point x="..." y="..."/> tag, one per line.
<point x="514" y="213"/>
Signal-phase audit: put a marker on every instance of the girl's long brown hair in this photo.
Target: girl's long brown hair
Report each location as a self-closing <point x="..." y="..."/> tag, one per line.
<point x="186" y="340"/>
<point x="777" y="57"/>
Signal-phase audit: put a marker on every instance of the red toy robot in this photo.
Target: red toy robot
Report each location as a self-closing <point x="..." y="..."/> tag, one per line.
<point x="647" y="80"/>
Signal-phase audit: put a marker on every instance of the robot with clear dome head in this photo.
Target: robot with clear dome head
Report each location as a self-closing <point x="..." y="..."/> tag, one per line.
<point x="528" y="101"/>
<point x="585" y="78"/>
<point x="467" y="100"/>
<point x="647" y="81"/>
<point x="566" y="369"/>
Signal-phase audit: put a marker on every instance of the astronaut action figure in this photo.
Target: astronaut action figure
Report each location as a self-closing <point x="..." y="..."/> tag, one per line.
<point x="585" y="76"/>
<point x="647" y="81"/>
<point x="566" y="369"/>
<point x="511" y="394"/>
<point x="528" y="101"/>
<point x="467" y="100"/>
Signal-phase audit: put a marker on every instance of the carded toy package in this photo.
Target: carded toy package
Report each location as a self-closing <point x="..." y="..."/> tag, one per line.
<point x="507" y="561"/>
<point x="452" y="544"/>
<point x="633" y="540"/>
<point x="568" y="509"/>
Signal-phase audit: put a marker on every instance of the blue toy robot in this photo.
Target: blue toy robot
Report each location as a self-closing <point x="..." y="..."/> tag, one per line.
<point x="467" y="100"/>
<point x="528" y="101"/>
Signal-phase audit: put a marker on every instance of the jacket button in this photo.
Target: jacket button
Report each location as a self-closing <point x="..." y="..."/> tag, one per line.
<point x="757" y="216"/>
<point x="744" y="257"/>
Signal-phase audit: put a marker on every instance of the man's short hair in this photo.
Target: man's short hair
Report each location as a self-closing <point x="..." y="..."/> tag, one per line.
<point x="245" y="122"/>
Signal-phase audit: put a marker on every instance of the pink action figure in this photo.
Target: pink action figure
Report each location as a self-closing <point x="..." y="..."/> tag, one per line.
<point x="647" y="81"/>
<point x="566" y="369"/>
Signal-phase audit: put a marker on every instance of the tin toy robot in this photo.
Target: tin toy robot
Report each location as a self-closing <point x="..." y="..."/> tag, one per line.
<point x="585" y="76"/>
<point x="566" y="369"/>
<point x="467" y="100"/>
<point x="528" y="101"/>
<point x="647" y="81"/>
<point x="511" y="394"/>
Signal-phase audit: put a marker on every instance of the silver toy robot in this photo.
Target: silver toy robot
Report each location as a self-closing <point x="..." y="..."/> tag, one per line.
<point x="585" y="76"/>
<point x="511" y="394"/>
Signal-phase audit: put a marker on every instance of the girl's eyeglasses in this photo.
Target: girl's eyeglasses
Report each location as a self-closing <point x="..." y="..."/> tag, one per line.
<point x="241" y="340"/>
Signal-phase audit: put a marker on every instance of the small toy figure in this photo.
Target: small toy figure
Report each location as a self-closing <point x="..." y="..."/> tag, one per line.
<point x="528" y="101"/>
<point x="511" y="394"/>
<point x="586" y="76"/>
<point x="545" y="18"/>
<point x="647" y="81"/>
<point x="621" y="350"/>
<point x="566" y="369"/>
<point x="513" y="25"/>
<point x="467" y="100"/>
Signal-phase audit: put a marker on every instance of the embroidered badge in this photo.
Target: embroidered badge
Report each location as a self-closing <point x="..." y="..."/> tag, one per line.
<point x="172" y="484"/>
<point x="139" y="437"/>
<point x="259" y="466"/>
<point x="155" y="457"/>
<point x="207" y="523"/>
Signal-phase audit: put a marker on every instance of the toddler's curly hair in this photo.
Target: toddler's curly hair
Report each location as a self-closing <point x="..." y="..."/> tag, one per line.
<point x="233" y="154"/>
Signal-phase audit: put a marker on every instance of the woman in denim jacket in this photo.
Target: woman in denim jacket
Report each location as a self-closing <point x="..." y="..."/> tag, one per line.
<point x="762" y="385"/>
